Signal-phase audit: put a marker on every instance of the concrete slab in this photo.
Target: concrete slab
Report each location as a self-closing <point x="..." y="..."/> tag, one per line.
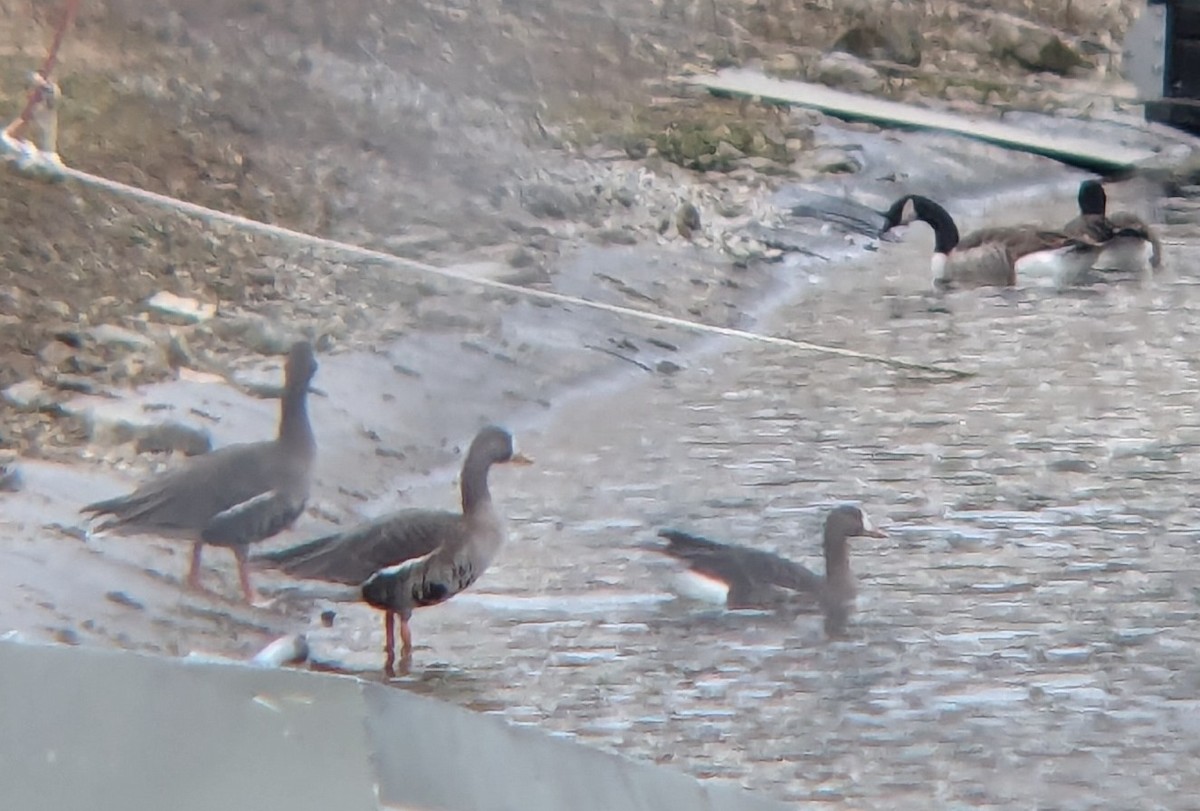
<point x="87" y="728"/>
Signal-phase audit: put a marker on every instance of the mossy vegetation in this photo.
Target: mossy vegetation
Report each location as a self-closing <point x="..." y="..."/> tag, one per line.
<point x="703" y="134"/>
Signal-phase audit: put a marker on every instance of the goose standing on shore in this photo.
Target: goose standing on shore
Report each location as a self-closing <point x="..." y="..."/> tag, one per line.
<point x="233" y="496"/>
<point x="995" y="257"/>
<point x="1131" y="243"/>
<point x="741" y="577"/>
<point x="414" y="558"/>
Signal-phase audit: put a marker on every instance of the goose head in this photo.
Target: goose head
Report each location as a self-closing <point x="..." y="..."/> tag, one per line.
<point x="1092" y="199"/>
<point x="495" y="446"/>
<point x="301" y="366"/>
<point x="912" y="207"/>
<point x="848" y="521"/>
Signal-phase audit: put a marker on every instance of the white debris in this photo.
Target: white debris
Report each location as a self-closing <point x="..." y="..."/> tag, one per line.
<point x="290" y="649"/>
<point x="185" y="309"/>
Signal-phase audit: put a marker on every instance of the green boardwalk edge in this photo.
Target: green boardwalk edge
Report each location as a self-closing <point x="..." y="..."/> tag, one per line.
<point x="1082" y="152"/>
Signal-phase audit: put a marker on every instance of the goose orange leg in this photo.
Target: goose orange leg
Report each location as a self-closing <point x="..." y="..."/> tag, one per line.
<point x="389" y="620"/>
<point x="243" y="576"/>
<point x="193" y="575"/>
<point x="405" y="639"/>
<point x="389" y="643"/>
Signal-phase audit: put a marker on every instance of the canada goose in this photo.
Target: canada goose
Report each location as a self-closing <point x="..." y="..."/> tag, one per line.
<point x="414" y="558"/>
<point x="234" y="496"/>
<point x="741" y="577"/>
<point x="1132" y="244"/>
<point x="994" y="257"/>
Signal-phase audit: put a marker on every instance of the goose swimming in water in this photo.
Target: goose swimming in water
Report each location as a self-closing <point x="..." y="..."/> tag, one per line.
<point x="1132" y="245"/>
<point x="741" y="577"/>
<point x="995" y="257"/>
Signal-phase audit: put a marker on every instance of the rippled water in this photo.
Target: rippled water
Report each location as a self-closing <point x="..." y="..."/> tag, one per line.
<point x="1027" y="634"/>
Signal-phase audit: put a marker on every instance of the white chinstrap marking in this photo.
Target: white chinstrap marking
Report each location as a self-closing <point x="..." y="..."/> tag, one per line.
<point x="937" y="267"/>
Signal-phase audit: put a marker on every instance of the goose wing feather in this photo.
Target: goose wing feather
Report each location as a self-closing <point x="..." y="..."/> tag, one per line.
<point x="351" y="557"/>
<point x="740" y="566"/>
<point x="185" y="500"/>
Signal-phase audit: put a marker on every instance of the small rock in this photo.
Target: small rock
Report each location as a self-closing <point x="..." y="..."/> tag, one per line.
<point x="186" y="310"/>
<point x="121" y="598"/>
<point x="522" y="258"/>
<point x="636" y="148"/>
<point x="179" y="353"/>
<point x="75" y="383"/>
<point x="617" y="236"/>
<point x="846" y="71"/>
<point x="11" y="480"/>
<point x="728" y="152"/>
<point x="1032" y="47"/>
<point x="257" y="334"/>
<point x="786" y="64"/>
<point x="55" y="354"/>
<point x="667" y="367"/>
<point x="794" y="145"/>
<point x="67" y="636"/>
<point x="550" y="202"/>
<point x="687" y="220"/>
<point x="58" y="308"/>
<point x="168" y="437"/>
<point x="28" y="395"/>
<point x="884" y="38"/>
<point x="626" y="196"/>
<point x="113" y="335"/>
<point x="833" y="160"/>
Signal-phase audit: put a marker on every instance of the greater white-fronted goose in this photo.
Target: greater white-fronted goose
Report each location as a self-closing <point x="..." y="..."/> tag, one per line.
<point x="995" y="257"/>
<point x="741" y="577"/>
<point x="414" y="558"/>
<point x="234" y="496"/>
<point x="1131" y="243"/>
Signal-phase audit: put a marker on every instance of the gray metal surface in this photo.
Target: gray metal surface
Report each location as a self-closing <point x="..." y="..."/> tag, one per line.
<point x="485" y="765"/>
<point x="87" y="729"/>
<point x="1145" y="53"/>
<point x="82" y="728"/>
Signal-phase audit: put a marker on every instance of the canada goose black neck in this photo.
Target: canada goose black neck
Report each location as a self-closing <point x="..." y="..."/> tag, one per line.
<point x="1092" y="199"/>
<point x="295" y="430"/>
<point x="917" y="207"/>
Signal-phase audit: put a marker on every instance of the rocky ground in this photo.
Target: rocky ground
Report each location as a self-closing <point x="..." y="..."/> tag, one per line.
<point x="1035" y="587"/>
